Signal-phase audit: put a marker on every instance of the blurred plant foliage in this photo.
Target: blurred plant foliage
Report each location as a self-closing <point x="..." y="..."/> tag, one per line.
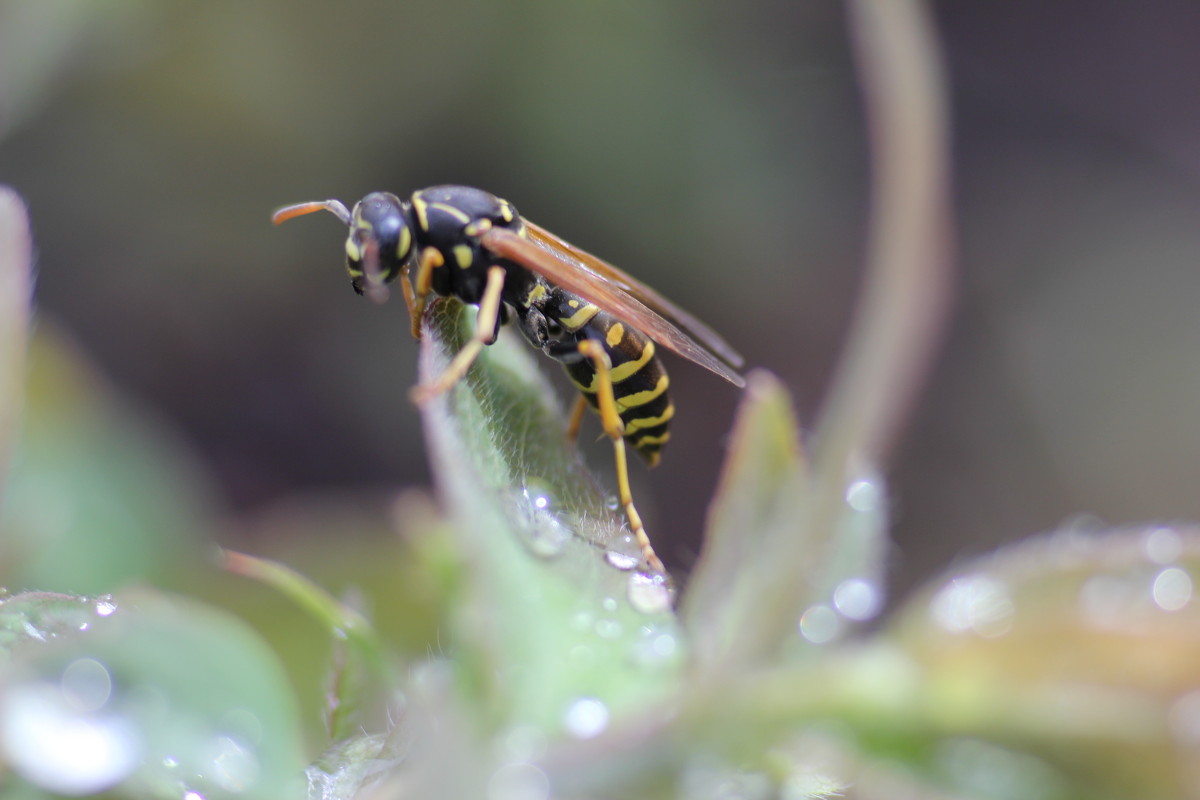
<point x="503" y="647"/>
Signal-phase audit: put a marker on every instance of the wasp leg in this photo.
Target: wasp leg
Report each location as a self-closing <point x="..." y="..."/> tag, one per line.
<point x="430" y="259"/>
<point x="576" y="420"/>
<point x="614" y="428"/>
<point x="410" y="300"/>
<point x="485" y="334"/>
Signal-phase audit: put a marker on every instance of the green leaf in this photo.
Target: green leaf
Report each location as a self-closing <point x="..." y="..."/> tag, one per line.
<point x="15" y="249"/>
<point x="549" y="633"/>
<point x="349" y="766"/>
<point x="357" y="648"/>
<point x="761" y="484"/>
<point x="1077" y="647"/>
<point x="149" y="696"/>
<point x="774" y="562"/>
<point x="34" y="618"/>
<point x="99" y="495"/>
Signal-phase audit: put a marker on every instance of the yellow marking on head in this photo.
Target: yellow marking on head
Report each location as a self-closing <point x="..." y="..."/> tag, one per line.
<point x="353" y="251"/>
<point x="573" y="303"/>
<point x="478" y="227"/>
<point x="653" y="440"/>
<point x="506" y="211"/>
<point x="650" y="422"/>
<point x="422" y="209"/>
<point x="462" y="254"/>
<point x="536" y="293"/>
<point x="641" y="398"/>
<point x="615" y="334"/>
<point x="405" y="242"/>
<point x="580" y="318"/>
<point x="457" y="213"/>
<point x="434" y="256"/>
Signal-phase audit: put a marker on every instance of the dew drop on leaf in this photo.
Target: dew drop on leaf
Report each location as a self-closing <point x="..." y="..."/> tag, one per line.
<point x="865" y="495"/>
<point x="974" y="604"/>
<point x="1172" y="589"/>
<point x="624" y="553"/>
<point x="59" y="748"/>
<point x="1163" y="545"/>
<point x="820" y="624"/>
<point x="543" y="530"/>
<point x="86" y="685"/>
<point x="650" y="592"/>
<point x="857" y="599"/>
<point x="585" y="718"/>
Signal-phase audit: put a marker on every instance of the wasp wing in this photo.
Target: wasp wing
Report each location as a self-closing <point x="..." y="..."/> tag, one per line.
<point x="704" y="335"/>
<point x="552" y="258"/>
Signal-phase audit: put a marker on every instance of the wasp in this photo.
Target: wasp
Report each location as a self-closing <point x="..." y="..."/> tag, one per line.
<point x="599" y="322"/>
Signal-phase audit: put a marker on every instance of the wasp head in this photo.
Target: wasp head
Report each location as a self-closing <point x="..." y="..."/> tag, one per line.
<point x="380" y="241"/>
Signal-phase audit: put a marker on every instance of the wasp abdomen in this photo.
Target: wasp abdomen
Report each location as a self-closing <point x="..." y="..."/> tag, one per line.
<point x="639" y="380"/>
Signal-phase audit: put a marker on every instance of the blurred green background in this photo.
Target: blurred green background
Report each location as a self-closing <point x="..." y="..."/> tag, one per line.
<point x="715" y="150"/>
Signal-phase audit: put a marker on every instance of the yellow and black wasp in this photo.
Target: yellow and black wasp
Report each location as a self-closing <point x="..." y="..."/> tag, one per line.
<point x="598" y="321"/>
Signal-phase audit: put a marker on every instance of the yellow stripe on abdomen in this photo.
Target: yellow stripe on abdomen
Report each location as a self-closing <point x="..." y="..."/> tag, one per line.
<point x="642" y="398"/>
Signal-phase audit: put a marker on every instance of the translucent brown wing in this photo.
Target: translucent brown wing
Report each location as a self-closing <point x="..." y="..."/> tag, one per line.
<point x="706" y="336"/>
<point x="617" y="293"/>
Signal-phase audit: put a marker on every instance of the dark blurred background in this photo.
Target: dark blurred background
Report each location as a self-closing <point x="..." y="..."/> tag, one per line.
<point x="715" y="150"/>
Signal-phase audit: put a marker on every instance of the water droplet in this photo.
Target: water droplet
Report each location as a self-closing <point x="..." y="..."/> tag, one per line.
<point x="60" y="749"/>
<point x="612" y="503"/>
<point x="586" y="718"/>
<point x="865" y="494"/>
<point x="608" y="628"/>
<point x="857" y="599"/>
<point x="819" y="624"/>
<point x="974" y="603"/>
<point x="650" y="592"/>
<point x="622" y="561"/>
<point x="665" y="645"/>
<point x="192" y="794"/>
<point x="233" y="766"/>
<point x="105" y="606"/>
<point x="624" y="553"/>
<point x="520" y="781"/>
<point x="543" y="532"/>
<point x="86" y="684"/>
<point x="610" y="604"/>
<point x="1172" y="589"/>
<point x="242" y="724"/>
<point x="1163" y="545"/>
<point x="656" y="645"/>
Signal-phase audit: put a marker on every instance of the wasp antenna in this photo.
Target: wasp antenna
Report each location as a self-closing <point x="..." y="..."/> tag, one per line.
<point x="335" y="207"/>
